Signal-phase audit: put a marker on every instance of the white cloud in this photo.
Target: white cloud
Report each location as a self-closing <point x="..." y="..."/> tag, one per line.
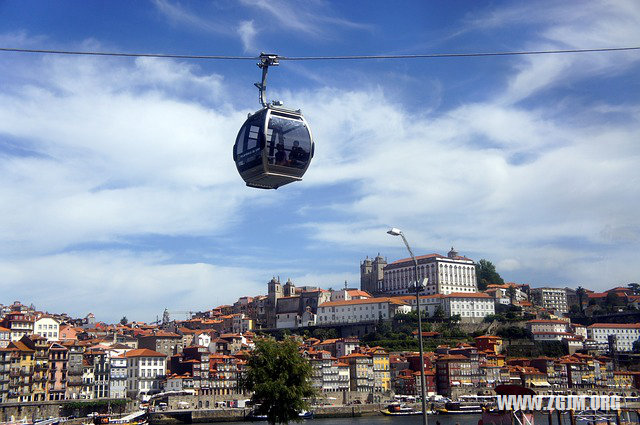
<point x="111" y="150"/>
<point x="492" y="179"/>
<point x="112" y="284"/>
<point x="247" y="32"/>
<point x="111" y="156"/>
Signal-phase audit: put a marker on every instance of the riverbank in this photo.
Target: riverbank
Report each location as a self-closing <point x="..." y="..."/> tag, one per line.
<point x="175" y="417"/>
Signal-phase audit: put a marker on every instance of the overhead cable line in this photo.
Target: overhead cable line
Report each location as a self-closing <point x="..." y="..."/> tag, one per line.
<point x="307" y="58"/>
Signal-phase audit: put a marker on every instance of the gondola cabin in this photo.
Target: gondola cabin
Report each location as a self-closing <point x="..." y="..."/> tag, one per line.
<point x="274" y="147"/>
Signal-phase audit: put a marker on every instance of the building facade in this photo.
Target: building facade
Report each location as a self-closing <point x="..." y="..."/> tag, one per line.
<point x="146" y="369"/>
<point x="552" y="299"/>
<point x="47" y="327"/>
<point x="445" y="275"/>
<point x="625" y="334"/>
<point x="359" y="311"/>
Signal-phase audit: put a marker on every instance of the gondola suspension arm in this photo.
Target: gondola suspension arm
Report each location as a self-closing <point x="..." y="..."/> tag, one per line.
<point x="266" y="60"/>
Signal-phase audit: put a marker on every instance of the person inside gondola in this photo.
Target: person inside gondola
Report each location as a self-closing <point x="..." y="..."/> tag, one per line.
<point x="297" y="156"/>
<point x="281" y="156"/>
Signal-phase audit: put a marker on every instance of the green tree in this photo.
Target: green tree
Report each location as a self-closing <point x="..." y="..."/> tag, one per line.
<point x="612" y="301"/>
<point x="384" y="327"/>
<point x="486" y="274"/>
<point x="635" y="287"/>
<point x="581" y="294"/>
<point x="511" y="293"/>
<point x="280" y="379"/>
<point x="438" y="314"/>
<point x="124" y="320"/>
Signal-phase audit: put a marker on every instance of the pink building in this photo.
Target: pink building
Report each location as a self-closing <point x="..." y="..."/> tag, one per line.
<point x="58" y="360"/>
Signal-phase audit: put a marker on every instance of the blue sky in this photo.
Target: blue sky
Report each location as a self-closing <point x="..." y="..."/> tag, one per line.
<point x="119" y="195"/>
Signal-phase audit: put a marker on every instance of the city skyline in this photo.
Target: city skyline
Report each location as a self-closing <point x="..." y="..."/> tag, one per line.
<point x="119" y="192"/>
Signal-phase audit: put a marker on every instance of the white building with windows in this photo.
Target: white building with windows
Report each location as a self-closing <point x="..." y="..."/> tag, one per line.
<point x="362" y="310"/>
<point x="118" y="376"/>
<point x="47" y="327"/>
<point x="542" y="325"/>
<point x="551" y="330"/>
<point x="445" y="275"/>
<point x="471" y="306"/>
<point x="5" y="337"/>
<point x="552" y="299"/>
<point x="145" y="371"/>
<point x="625" y="334"/>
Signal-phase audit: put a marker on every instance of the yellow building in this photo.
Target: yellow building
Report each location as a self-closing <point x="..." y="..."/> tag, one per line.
<point x="21" y="372"/>
<point x="623" y="380"/>
<point x="39" y="377"/>
<point x="381" y="369"/>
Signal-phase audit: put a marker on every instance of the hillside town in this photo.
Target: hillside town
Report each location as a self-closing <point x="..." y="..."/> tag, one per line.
<point x="361" y="342"/>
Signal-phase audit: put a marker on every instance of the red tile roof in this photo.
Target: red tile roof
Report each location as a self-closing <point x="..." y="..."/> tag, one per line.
<point x="363" y="301"/>
<point x="467" y="295"/>
<point x="143" y="352"/>
<point x="615" y="325"/>
<point x="423" y="257"/>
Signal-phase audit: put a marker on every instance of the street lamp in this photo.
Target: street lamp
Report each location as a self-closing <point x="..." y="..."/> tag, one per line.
<point x="418" y="287"/>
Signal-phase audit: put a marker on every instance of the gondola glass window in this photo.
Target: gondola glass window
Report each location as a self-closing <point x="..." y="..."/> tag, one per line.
<point x="249" y="144"/>
<point x="289" y="142"/>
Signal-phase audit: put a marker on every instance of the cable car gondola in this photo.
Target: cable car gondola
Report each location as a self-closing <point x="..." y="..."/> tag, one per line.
<point x="274" y="146"/>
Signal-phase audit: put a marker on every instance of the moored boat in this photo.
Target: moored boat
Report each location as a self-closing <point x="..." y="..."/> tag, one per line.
<point x="455" y="408"/>
<point x="397" y="409"/>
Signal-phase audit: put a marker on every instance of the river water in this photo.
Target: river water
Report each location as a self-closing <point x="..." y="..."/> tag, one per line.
<point x="471" y="419"/>
<point x="395" y="420"/>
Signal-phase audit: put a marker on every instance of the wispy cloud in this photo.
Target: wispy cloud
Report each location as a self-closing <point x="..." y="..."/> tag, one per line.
<point x="247" y="32"/>
<point x="310" y="18"/>
<point x="179" y="15"/>
<point x="553" y="25"/>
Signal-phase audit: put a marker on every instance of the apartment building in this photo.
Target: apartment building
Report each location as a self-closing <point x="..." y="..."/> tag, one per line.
<point x="19" y="325"/>
<point x="145" y="371"/>
<point x="118" y="376"/>
<point x="224" y="372"/>
<point x="75" y="369"/>
<point x="381" y="369"/>
<point x="58" y="369"/>
<point x="325" y="375"/>
<point x="5" y="337"/>
<point x="168" y="343"/>
<point x="5" y="366"/>
<point x="552" y="299"/>
<point x="47" y="327"/>
<point x="361" y="376"/>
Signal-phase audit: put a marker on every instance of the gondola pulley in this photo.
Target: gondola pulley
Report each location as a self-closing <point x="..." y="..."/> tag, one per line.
<point x="274" y="145"/>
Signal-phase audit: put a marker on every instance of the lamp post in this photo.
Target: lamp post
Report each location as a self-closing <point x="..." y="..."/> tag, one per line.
<point x="418" y="288"/>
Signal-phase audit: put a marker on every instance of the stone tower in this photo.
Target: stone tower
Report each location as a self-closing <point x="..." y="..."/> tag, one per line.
<point x="289" y="289"/>
<point x="372" y="274"/>
<point x="366" y="269"/>
<point x="275" y="292"/>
